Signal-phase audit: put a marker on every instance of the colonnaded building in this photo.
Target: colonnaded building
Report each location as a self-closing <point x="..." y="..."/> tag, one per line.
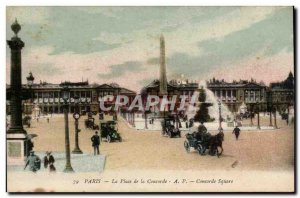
<point x="279" y="95"/>
<point x="47" y="97"/>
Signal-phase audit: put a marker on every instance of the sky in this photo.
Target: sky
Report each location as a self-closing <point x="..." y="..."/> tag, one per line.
<point x="121" y="44"/>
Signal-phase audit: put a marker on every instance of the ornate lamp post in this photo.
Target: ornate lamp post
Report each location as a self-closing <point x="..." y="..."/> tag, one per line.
<point x="257" y="109"/>
<point x="133" y="120"/>
<point x="270" y="105"/>
<point x="251" y="112"/>
<point x="65" y="95"/>
<point x="220" y="115"/>
<point x="146" y="124"/>
<point x="76" y="117"/>
<point x="30" y="80"/>
<point x="275" y="120"/>
<point x="290" y="104"/>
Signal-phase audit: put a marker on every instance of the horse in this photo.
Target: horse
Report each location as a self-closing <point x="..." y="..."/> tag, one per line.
<point x="215" y="142"/>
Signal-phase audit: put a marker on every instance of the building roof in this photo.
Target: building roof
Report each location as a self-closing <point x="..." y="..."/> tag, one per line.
<point x="76" y="85"/>
<point x="170" y="85"/>
<point x="127" y="91"/>
<point x="234" y="84"/>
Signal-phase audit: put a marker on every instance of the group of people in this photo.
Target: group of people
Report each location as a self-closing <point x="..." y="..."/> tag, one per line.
<point x="34" y="162"/>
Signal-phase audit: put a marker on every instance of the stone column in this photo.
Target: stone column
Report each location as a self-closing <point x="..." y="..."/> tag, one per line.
<point x="16" y="45"/>
<point x="16" y="135"/>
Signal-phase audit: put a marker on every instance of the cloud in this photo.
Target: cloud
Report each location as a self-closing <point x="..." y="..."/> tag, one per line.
<point x="265" y="68"/>
<point x="46" y="69"/>
<point x="119" y="70"/>
<point x="66" y="29"/>
<point x="153" y="61"/>
<point x="84" y="47"/>
<point x="264" y="38"/>
<point x="27" y="15"/>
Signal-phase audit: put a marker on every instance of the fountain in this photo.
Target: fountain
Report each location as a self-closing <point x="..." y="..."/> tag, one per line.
<point x="212" y="123"/>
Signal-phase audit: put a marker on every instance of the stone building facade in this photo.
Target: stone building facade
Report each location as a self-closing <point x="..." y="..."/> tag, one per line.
<point x="48" y="97"/>
<point x="235" y="93"/>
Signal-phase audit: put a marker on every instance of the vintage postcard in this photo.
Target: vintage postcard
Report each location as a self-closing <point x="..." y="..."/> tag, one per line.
<point x="150" y="99"/>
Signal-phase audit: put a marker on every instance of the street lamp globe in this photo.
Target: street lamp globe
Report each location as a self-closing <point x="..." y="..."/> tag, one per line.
<point x="30" y="79"/>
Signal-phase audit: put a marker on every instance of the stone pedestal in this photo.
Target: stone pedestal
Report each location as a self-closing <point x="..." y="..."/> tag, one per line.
<point x="15" y="145"/>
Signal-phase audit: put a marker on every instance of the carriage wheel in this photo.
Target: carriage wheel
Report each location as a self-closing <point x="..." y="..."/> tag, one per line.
<point x="186" y="146"/>
<point x="108" y="138"/>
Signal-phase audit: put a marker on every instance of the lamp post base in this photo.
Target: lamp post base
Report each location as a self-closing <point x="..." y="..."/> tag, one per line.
<point x="68" y="169"/>
<point x="77" y="151"/>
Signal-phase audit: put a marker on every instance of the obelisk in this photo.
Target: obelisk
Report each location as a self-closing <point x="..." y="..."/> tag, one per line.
<point x="163" y="74"/>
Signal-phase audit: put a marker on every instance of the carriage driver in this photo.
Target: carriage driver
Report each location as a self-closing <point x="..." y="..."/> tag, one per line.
<point x="202" y="131"/>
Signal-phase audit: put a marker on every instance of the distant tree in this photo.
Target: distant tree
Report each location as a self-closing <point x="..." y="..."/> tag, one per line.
<point x="202" y="114"/>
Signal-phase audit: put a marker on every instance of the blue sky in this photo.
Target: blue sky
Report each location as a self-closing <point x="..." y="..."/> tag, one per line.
<point x="121" y="44"/>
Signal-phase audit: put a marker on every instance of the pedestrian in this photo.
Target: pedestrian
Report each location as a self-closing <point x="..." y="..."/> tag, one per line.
<point x="96" y="142"/>
<point x="48" y="120"/>
<point x="37" y="119"/>
<point x="49" y="161"/>
<point x="33" y="161"/>
<point x="30" y="146"/>
<point x="236" y="131"/>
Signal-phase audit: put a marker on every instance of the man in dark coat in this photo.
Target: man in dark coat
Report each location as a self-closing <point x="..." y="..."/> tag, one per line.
<point x="49" y="161"/>
<point x="236" y="131"/>
<point x="96" y="142"/>
<point x="33" y="161"/>
<point x="202" y="132"/>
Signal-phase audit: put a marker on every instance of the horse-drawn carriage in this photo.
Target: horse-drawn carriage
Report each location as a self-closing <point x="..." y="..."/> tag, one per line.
<point x="90" y="124"/>
<point x="109" y="131"/>
<point x="169" y="129"/>
<point x="247" y="115"/>
<point x="203" y="142"/>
